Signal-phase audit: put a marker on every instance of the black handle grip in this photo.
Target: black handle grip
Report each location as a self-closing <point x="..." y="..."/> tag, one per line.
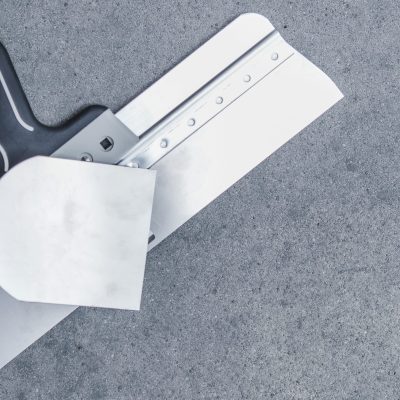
<point x="21" y="135"/>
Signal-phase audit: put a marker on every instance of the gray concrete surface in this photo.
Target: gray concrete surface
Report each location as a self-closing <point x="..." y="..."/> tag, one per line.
<point x="287" y="286"/>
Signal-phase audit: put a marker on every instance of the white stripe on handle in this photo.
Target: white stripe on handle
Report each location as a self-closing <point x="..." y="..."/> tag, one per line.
<point x="13" y="106"/>
<point x="5" y="158"/>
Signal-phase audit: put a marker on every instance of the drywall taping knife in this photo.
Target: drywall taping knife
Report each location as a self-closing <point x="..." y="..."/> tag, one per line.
<point x="202" y="127"/>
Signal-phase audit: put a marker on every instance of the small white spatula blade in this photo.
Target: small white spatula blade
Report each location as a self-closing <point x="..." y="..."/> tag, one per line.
<point x="75" y="233"/>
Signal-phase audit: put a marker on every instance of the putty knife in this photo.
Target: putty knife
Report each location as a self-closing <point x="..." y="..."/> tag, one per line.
<point x="202" y="127"/>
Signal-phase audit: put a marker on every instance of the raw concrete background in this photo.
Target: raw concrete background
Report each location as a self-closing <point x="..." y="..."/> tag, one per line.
<point x="287" y="286"/>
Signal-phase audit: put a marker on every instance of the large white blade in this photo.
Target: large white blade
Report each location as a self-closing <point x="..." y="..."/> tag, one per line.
<point x="237" y="140"/>
<point x="218" y="154"/>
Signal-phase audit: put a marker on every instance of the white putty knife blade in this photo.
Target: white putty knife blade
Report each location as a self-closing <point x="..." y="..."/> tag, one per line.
<point x="75" y="233"/>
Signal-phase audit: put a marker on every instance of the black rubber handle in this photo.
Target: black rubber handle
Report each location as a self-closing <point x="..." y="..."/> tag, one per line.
<point x="21" y="135"/>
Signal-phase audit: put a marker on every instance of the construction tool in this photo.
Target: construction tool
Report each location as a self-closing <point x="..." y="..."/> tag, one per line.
<point x="201" y="127"/>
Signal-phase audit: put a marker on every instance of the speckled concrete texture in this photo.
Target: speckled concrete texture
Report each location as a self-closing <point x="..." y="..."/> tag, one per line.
<point x="288" y="285"/>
